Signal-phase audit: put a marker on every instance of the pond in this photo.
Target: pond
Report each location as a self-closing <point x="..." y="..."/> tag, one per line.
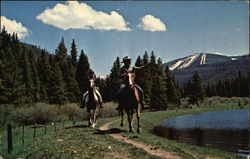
<point x="226" y="130"/>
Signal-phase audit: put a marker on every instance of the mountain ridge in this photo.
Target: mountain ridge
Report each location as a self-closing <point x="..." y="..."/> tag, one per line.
<point x="211" y="67"/>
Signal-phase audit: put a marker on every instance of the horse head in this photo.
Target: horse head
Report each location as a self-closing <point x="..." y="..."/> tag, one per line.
<point x="129" y="78"/>
<point x="91" y="84"/>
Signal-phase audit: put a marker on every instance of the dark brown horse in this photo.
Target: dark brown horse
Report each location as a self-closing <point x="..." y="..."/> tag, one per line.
<point x="92" y="104"/>
<point x="130" y="101"/>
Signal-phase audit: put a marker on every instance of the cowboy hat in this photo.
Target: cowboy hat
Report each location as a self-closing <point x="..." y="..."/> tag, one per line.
<point x="126" y="58"/>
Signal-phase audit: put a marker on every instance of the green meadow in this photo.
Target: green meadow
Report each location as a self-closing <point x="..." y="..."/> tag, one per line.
<point x="79" y="141"/>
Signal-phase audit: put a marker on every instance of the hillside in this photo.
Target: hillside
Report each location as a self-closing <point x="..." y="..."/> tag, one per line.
<point x="211" y="67"/>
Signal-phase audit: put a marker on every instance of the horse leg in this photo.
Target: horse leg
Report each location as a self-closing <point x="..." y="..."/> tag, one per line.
<point x="94" y="117"/>
<point x="91" y="121"/>
<point x="89" y="117"/>
<point x="138" y="120"/>
<point x="131" y="116"/>
<point x="129" y="122"/>
<point x="122" y="114"/>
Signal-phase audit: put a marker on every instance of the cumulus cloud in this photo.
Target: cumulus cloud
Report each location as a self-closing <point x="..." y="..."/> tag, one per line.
<point x="75" y="15"/>
<point x="151" y="23"/>
<point x="14" y="26"/>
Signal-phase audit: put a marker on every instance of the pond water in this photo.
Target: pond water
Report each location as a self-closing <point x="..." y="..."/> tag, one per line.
<point x="226" y="130"/>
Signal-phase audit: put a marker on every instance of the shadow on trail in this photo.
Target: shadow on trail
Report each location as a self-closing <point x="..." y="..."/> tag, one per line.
<point x="109" y="131"/>
<point x="77" y="126"/>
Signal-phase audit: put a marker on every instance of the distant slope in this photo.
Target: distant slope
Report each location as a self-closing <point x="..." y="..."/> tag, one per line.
<point x="211" y="67"/>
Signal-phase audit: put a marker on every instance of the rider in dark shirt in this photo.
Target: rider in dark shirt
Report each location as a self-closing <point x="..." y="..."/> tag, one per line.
<point x="122" y="72"/>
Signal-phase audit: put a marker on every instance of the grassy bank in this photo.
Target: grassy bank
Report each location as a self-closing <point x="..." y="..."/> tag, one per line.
<point x="151" y="119"/>
<point x="80" y="141"/>
<point x="69" y="141"/>
<point x="75" y="142"/>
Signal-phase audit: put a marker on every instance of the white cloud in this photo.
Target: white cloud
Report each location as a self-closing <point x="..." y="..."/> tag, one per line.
<point x="150" y="23"/>
<point x="14" y="26"/>
<point x="75" y="15"/>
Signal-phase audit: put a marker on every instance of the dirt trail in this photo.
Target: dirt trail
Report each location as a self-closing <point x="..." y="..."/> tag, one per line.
<point x="148" y="148"/>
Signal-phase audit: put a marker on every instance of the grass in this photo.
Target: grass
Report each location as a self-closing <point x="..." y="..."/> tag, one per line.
<point x="80" y="141"/>
<point x="151" y="119"/>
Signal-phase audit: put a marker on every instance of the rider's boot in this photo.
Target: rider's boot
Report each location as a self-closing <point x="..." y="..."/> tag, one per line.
<point x="118" y="107"/>
<point x="101" y="105"/>
<point x="142" y="105"/>
<point x="83" y="103"/>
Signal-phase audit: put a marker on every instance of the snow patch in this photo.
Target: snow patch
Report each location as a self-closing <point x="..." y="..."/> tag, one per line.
<point x="203" y="59"/>
<point x="188" y="61"/>
<point x="177" y="64"/>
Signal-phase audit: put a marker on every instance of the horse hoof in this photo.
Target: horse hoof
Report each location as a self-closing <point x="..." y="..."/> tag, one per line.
<point x="121" y="124"/>
<point x="139" y="131"/>
<point x="93" y="126"/>
<point x="131" y="131"/>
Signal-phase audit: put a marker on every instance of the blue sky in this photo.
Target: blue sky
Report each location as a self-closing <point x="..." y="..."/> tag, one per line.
<point x="105" y="30"/>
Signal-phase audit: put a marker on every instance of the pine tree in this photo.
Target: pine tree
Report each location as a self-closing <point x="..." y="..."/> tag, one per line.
<point x="146" y="84"/>
<point x="57" y="90"/>
<point x="61" y="54"/>
<point x="158" y="97"/>
<point x="228" y="88"/>
<point x="113" y="81"/>
<point x="44" y="71"/>
<point x="73" y="53"/>
<point x="208" y="91"/>
<point x="72" y="89"/>
<point x="36" y="81"/>
<point x="171" y="90"/>
<point x="197" y="93"/>
<point x="158" y="89"/>
<point x="27" y="78"/>
<point x="12" y="89"/>
<point x="82" y="71"/>
<point x="5" y="38"/>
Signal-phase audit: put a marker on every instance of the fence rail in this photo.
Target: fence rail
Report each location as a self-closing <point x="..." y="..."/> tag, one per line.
<point x="14" y="135"/>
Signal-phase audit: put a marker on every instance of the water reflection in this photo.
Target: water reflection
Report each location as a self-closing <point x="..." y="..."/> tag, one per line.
<point x="225" y="130"/>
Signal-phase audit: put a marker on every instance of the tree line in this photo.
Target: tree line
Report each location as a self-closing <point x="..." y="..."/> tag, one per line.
<point x="29" y="74"/>
<point x="237" y="86"/>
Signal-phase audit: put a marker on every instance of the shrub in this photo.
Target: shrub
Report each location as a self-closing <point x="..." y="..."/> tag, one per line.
<point x="22" y="116"/>
<point x="108" y="110"/>
<point x="44" y="113"/>
<point x="5" y="114"/>
<point x="71" y="111"/>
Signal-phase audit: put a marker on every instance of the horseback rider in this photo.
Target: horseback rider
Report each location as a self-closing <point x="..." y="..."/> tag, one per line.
<point x="92" y="76"/>
<point x="123" y="70"/>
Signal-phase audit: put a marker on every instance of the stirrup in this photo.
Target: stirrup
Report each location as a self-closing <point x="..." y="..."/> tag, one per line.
<point x="101" y="106"/>
<point x="118" y="108"/>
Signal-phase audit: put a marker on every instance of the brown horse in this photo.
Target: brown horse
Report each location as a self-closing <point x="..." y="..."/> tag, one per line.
<point x="130" y="101"/>
<point x="92" y="104"/>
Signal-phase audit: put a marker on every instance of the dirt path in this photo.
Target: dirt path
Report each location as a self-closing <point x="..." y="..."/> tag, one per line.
<point x="148" y="148"/>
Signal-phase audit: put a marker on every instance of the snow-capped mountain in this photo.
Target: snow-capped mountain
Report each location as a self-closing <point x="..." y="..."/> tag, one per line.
<point x="211" y="67"/>
<point x="199" y="59"/>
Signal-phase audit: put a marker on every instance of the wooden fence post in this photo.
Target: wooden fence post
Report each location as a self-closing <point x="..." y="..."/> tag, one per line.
<point x="45" y="128"/>
<point x="55" y="125"/>
<point x="22" y="135"/>
<point x="34" y="135"/>
<point x="9" y="131"/>
<point x="74" y="120"/>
